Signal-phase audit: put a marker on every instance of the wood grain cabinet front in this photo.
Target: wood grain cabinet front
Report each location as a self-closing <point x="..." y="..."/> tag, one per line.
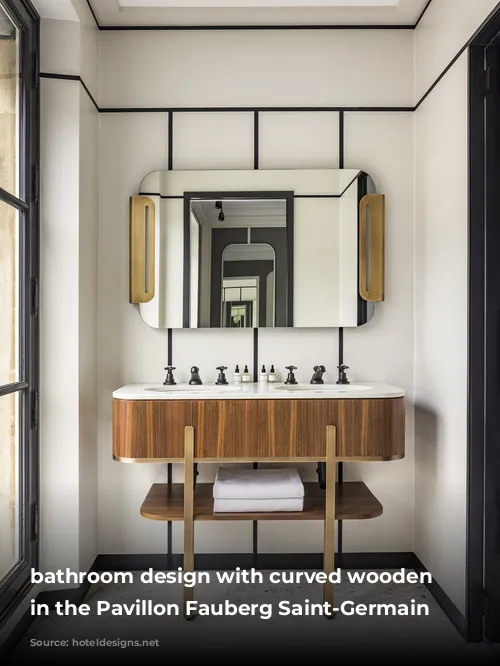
<point x="258" y="429"/>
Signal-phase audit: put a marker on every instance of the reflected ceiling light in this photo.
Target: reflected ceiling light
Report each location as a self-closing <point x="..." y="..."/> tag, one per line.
<point x="218" y="206"/>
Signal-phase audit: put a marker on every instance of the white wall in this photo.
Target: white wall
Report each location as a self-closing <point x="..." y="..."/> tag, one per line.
<point x="87" y="330"/>
<point x="59" y="383"/>
<point x="183" y="68"/>
<point x="441" y="222"/>
<point x="444" y="30"/>
<point x="69" y="273"/>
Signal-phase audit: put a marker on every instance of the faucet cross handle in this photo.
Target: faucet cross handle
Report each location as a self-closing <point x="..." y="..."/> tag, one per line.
<point x="342" y="374"/>
<point x="170" y="381"/>
<point x="221" y="380"/>
<point x="291" y="377"/>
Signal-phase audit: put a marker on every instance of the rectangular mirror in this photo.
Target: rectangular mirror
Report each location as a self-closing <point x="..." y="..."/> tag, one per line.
<point x="257" y="249"/>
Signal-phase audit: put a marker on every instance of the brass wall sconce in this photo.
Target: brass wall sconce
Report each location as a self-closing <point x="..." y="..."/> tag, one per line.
<point x="372" y="247"/>
<point x="142" y="249"/>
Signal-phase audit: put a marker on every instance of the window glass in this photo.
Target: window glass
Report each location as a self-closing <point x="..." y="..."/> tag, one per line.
<point x="9" y="103"/>
<point x="9" y="294"/>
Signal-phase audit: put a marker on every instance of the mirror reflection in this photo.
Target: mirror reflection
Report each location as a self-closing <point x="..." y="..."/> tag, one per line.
<point x="242" y="265"/>
<point x="255" y="248"/>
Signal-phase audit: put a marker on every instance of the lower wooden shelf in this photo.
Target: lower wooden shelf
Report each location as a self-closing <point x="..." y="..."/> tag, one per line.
<point x="354" y="501"/>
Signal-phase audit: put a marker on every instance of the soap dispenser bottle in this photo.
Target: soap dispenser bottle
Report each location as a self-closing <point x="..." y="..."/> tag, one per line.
<point x="245" y="377"/>
<point x="263" y="377"/>
<point x="237" y="375"/>
<point x="272" y="377"/>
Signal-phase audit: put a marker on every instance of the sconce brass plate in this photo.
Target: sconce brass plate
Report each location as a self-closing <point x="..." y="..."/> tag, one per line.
<point x="142" y="249"/>
<point x="372" y="247"/>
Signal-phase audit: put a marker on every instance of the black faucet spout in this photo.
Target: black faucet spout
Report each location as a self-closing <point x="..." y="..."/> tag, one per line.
<point x="319" y="371"/>
<point x="195" y="377"/>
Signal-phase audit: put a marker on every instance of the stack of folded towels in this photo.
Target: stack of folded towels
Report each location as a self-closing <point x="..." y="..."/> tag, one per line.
<point x="257" y="490"/>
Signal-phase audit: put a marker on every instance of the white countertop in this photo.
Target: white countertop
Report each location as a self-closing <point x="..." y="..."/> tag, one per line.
<point x="258" y="390"/>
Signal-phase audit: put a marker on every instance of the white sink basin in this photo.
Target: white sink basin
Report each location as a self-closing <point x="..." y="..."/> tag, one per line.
<point x="205" y="388"/>
<point x="324" y="388"/>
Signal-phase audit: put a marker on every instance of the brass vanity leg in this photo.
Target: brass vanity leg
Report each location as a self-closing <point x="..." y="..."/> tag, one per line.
<point x="329" y="548"/>
<point x="188" y="513"/>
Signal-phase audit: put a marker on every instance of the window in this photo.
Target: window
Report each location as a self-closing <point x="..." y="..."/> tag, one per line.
<point x="19" y="123"/>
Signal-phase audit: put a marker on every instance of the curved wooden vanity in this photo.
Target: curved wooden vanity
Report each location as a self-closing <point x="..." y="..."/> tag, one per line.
<point x="259" y="424"/>
<point x="265" y="429"/>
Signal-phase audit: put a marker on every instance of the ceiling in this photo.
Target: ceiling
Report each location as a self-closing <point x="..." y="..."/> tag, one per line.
<point x="56" y="9"/>
<point x="253" y="12"/>
<point x="255" y="213"/>
<point x="257" y="3"/>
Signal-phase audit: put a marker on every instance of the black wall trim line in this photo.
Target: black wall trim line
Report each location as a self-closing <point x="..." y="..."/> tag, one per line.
<point x="170" y="147"/>
<point x="477" y="305"/>
<point x="424" y="11"/>
<point x="253" y="109"/>
<point x="253" y="27"/>
<point x="271" y="109"/>
<point x="62" y="77"/>
<point x="469" y="42"/>
<point x="71" y="77"/>
<point x="93" y="14"/>
<point x="255" y="139"/>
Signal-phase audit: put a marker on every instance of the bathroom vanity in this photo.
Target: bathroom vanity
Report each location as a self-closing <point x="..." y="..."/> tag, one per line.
<point x="258" y="249"/>
<point x="281" y="424"/>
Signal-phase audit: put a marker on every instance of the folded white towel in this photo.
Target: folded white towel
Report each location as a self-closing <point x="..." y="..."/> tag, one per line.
<point x="258" y="505"/>
<point x="234" y="483"/>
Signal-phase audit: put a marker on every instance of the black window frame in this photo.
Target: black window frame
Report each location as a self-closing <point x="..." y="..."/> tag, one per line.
<point x="15" y="586"/>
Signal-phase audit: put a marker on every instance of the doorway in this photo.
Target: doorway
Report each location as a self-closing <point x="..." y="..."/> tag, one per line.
<point x="483" y="570"/>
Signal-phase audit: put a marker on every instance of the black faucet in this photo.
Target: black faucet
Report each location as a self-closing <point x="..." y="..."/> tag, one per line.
<point x="291" y="377"/>
<point x="319" y="371"/>
<point x="169" y="381"/>
<point x="195" y="377"/>
<point x="342" y="375"/>
<point x="221" y="379"/>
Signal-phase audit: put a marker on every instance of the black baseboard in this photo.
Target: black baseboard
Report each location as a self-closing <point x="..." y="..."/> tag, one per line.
<point x="447" y="605"/>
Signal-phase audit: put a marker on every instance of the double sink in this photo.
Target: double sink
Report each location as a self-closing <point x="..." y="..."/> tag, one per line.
<point x="236" y="389"/>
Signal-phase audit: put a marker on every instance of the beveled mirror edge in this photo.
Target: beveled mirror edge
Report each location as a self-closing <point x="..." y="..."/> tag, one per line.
<point x="372" y="248"/>
<point x="142" y="250"/>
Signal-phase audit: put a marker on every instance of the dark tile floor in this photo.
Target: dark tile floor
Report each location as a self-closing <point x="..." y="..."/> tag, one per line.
<point x="395" y="639"/>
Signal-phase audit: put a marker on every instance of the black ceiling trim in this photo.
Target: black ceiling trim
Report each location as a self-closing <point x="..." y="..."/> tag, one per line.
<point x="423" y="13"/>
<point x="252" y="109"/>
<point x="334" y="26"/>
<point x="232" y="27"/>
<point x="93" y="14"/>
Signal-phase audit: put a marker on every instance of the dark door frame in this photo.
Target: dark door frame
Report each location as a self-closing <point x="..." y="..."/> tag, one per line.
<point x="483" y="482"/>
